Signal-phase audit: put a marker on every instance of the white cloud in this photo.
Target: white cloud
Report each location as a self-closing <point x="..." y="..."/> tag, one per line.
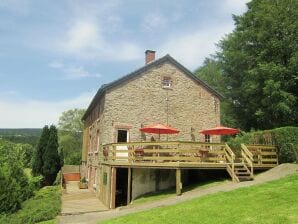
<point x="153" y="21"/>
<point x="72" y="72"/>
<point x="83" y="36"/>
<point x="191" y="48"/>
<point x="36" y="114"/>
<point x="78" y="73"/>
<point x="86" y="40"/>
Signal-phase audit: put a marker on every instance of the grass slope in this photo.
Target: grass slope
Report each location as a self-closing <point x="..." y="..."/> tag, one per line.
<point x="149" y="197"/>
<point x="274" y="202"/>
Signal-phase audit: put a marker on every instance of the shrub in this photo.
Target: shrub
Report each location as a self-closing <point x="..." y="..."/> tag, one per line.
<point x="36" y="182"/>
<point x="14" y="184"/>
<point x="10" y="193"/>
<point x="285" y="138"/>
<point x="45" y="205"/>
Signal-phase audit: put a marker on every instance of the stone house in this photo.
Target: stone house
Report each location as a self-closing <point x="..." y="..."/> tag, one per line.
<point x="162" y="91"/>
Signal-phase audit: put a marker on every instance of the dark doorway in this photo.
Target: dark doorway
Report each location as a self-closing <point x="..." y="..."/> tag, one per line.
<point x="122" y="136"/>
<point x="121" y="187"/>
<point x="193" y="178"/>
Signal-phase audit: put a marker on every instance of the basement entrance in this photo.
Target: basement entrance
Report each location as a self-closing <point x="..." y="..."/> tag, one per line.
<point x="121" y="187"/>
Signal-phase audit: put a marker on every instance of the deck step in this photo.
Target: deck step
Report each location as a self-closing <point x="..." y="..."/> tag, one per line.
<point x="242" y="172"/>
<point x="245" y="178"/>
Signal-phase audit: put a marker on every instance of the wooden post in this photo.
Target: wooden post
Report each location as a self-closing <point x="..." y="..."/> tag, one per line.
<point x="129" y="185"/>
<point x="233" y="168"/>
<point x="178" y="182"/>
<point x="113" y="187"/>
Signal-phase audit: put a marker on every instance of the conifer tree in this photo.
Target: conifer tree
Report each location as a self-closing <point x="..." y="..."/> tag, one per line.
<point x="51" y="158"/>
<point x="37" y="162"/>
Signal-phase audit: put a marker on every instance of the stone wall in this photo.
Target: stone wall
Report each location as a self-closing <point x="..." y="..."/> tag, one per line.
<point x="187" y="106"/>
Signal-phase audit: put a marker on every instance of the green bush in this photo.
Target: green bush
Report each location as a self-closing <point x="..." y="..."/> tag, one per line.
<point x="14" y="184"/>
<point x="285" y="138"/>
<point x="45" y="205"/>
<point x="36" y="182"/>
<point x="10" y="192"/>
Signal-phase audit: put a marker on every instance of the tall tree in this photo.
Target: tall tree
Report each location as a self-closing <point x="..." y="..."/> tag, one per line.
<point x="71" y="135"/>
<point x="211" y="73"/>
<point x="70" y="120"/>
<point x="51" y="158"/>
<point x="37" y="161"/>
<point x="260" y="64"/>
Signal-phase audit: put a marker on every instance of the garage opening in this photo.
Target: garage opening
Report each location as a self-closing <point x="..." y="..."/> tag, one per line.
<point x="121" y="187"/>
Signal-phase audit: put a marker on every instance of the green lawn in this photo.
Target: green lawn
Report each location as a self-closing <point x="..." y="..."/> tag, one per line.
<point x="45" y="205"/>
<point x="270" y="203"/>
<point x="172" y="192"/>
<point x="53" y="221"/>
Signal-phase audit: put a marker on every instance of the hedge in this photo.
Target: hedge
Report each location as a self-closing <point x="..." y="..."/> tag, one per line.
<point x="285" y="138"/>
<point x="45" y="205"/>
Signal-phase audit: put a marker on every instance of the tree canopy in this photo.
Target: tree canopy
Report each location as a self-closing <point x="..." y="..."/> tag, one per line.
<point x="51" y="158"/>
<point x="258" y="65"/>
<point x="71" y="135"/>
<point x="70" y="120"/>
<point x="37" y="162"/>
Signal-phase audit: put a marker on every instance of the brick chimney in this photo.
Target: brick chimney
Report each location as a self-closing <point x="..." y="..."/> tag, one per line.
<point x="149" y="56"/>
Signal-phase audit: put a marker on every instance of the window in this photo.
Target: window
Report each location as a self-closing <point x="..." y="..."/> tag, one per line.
<point x="90" y="143"/>
<point x="207" y="138"/>
<point x="97" y="141"/>
<point x="167" y="82"/>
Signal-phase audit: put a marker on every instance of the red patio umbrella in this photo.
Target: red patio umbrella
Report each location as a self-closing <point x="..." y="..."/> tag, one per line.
<point x="159" y="129"/>
<point x="220" y="130"/>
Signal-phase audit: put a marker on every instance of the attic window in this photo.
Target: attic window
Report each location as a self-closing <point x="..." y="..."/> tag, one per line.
<point x="167" y="82"/>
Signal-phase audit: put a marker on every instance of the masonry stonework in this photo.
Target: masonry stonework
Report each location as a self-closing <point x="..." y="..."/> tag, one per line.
<point x="187" y="106"/>
<point x="140" y="101"/>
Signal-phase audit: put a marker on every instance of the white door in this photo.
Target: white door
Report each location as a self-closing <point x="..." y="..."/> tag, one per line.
<point x="122" y="137"/>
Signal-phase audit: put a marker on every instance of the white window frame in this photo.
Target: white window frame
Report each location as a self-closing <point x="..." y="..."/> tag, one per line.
<point x="167" y="82"/>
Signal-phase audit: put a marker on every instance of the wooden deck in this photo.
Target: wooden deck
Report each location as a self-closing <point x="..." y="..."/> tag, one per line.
<point x="179" y="155"/>
<point x="190" y="155"/>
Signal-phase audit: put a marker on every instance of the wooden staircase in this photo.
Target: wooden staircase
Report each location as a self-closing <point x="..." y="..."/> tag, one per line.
<point x="240" y="168"/>
<point x="242" y="172"/>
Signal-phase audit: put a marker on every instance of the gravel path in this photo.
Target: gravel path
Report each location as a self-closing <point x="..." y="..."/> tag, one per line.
<point x="92" y="218"/>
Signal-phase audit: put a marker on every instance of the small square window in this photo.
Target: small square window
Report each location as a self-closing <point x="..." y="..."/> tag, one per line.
<point x="207" y="138"/>
<point x="167" y="82"/>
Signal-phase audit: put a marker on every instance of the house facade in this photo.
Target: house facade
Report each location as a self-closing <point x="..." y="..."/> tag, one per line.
<point x="162" y="91"/>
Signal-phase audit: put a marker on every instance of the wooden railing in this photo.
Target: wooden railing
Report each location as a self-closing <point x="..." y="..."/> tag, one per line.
<point x="230" y="156"/>
<point x="247" y="159"/>
<point x="161" y="152"/>
<point x="263" y="154"/>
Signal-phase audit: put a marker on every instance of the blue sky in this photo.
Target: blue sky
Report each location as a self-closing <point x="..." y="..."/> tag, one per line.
<point x="54" y="55"/>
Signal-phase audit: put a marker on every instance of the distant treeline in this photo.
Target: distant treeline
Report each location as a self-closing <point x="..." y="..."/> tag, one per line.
<point x="24" y="135"/>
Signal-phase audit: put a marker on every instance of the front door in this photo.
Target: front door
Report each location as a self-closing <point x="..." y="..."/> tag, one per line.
<point x="122" y="137"/>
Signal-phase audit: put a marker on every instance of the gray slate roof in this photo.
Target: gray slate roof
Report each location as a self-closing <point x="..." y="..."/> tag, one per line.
<point x="166" y="58"/>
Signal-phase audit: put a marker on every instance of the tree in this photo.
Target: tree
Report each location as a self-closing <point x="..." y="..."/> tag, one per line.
<point x="37" y="162"/>
<point x="259" y="61"/>
<point x="14" y="183"/>
<point x="51" y="158"/>
<point x="70" y="120"/>
<point x="71" y="135"/>
<point x="211" y="73"/>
